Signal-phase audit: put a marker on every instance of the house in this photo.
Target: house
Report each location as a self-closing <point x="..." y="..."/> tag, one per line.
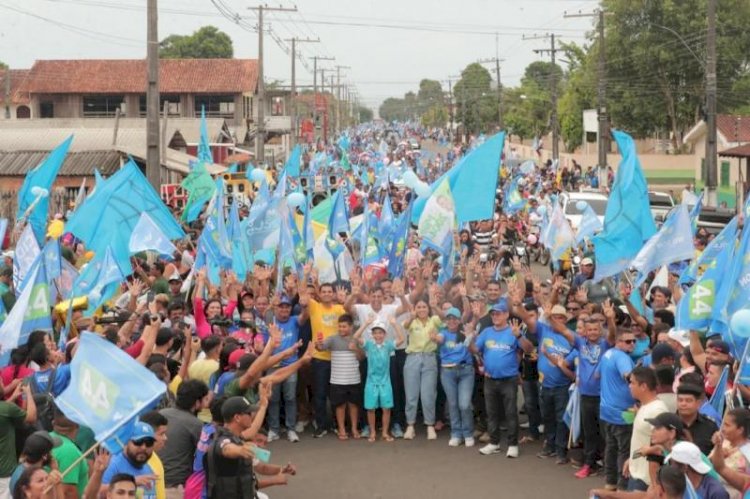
<point x="13" y="104"/>
<point x="731" y="132"/>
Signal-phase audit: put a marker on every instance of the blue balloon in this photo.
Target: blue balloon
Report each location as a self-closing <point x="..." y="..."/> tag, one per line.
<point x="410" y="178"/>
<point x="257" y="175"/>
<point x="581" y="205"/>
<point x="295" y="199"/>
<point x="740" y="323"/>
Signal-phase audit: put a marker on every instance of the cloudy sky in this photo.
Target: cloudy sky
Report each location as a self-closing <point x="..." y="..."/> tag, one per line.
<point x="389" y="44"/>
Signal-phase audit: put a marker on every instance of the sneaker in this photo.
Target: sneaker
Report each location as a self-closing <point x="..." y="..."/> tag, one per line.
<point x="409" y="434"/>
<point x="484" y="437"/>
<point x="512" y="451"/>
<point x="562" y="460"/>
<point x="469" y="442"/>
<point x="292" y="436"/>
<point x="584" y="472"/>
<point x="454" y="442"/>
<point x="524" y="426"/>
<point x="545" y="453"/>
<point x="431" y="435"/>
<point x="489" y="449"/>
<point x="300" y="426"/>
<point x="365" y="432"/>
<point x="272" y="435"/>
<point x="320" y="433"/>
<point x="397" y="431"/>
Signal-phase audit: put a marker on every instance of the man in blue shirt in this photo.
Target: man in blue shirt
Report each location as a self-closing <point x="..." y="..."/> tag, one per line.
<point x="555" y="343"/>
<point x="499" y="347"/>
<point x="289" y="325"/>
<point x="616" y="402"/>
<point x="133" y="461"/>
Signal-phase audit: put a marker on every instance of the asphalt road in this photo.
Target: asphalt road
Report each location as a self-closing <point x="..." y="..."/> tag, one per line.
<point x="420" y="469"/>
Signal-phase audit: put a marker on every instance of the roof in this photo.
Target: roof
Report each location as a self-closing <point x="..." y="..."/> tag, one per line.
<point x="17" y="163"/>
<point x="742" y="151"/>
<point x="733" y="129"/>
<point x="128" y="76"/>
<point x="17" y="77"/>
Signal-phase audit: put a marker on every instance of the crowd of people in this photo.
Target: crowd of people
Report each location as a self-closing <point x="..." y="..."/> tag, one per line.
<point x="377" y="356"/>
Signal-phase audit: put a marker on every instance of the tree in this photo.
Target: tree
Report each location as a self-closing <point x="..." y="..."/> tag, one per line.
<point x="477" y="103"/>
<point x="3" y="65"/>
<point x="206" y="43"/>
<point x="393" y="109"/>
<point x="365" y="114"/>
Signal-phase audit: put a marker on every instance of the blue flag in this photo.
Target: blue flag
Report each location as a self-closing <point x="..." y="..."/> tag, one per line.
<point x="512" y="200"/>
<point x="673" y="243"/>
<point x="572" y="415"/>
<point x="590" y="224"/>
<point x="148" y="236"/>
<point x="33" y="198"/>
<point x="31" y="311"/>
<point x="718" y="399"/>
<point x="437" y="221"/>
<point x="214" y="235"/>
<point x="559" y="236"/>
<point x="385" y="223"/>
<point x="727" y="236"/>
<point x="3" y="230"/>
<point x="398" y="244"/>
<point x="292" y="165"/>
<point x="743" y="372"/>
<point x="99" y="280"/>
<point x="627" y="221"/>
<point x="695" y="213"/>
<point x="108" y="388"/>
<point x="473" y="181"/>
<point x="52" y="263"/>
<point x="307" y="229"/>
<point x="204" y="149"/>
<point x="27" y="250"/>
<point x="339" y="219"/>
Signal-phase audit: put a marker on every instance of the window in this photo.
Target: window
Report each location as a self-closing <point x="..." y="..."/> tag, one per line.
<point x="173" y="107"/>
<point x="248" y="107"/>
<point x="23" y="112"/>
<point x="46" y="110"/>
<point x="725" y="174"/>
<point x="277" y="106"/>
<point x="101" y="106"/>
<point x="703" y="169"/>
<point x="216" y="106"/>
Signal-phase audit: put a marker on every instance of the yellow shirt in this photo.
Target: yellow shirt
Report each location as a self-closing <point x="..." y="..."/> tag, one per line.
<point x="202" y="369"/>
<point x="155" y="463"/>
<point x="324" y="320"/>
<point x="419" y="335"/>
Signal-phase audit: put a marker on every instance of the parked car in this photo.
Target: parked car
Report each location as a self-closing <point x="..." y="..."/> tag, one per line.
<point x="661" y="204"/>
<point x="596" y="200"/>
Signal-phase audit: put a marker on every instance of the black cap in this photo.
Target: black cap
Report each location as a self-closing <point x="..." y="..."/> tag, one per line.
<point x="720" y="346"/>
<point x="236" y="405"/>
<point x="40" y="443"/>
<point x="690" y="389"/>
<point x="246" y="361"/>
<point x="667" y="420"/>
<point x="662" y="351"/>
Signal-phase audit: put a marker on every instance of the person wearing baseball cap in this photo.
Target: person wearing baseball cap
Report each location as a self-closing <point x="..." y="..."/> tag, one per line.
<point x="498" y="345"/>
<point x="133" y="460"/>
<point x="37" y="451"/>
<point x="686" y="456"/>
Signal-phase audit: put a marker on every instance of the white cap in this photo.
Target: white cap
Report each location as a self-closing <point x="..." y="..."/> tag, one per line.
<point x="9" y="254"/>
<point x="378" y="324"/>
<point x="681" y="336"/>
<point x="688" y="453"/>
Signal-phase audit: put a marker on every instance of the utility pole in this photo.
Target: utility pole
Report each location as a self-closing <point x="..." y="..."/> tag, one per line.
<point x="338" y="96"/>
<point x="711" y="152"/>
<point x="553" y="81"/>
<point x="153" y="163"/>
<point x="499" y="88"/>
<point x="260" y="135"/>
<point x="601" y="98"/>
<point x="315" y="92"/>
<point x="293" y="98"/>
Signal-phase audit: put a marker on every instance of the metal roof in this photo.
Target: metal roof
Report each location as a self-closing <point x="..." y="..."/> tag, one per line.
<point x="19" y="163"/>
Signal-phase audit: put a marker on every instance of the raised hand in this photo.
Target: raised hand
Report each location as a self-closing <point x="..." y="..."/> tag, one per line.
<point x="582" y="296"/>
<point x="515" y="327"/>
<point x="608" y="309"/>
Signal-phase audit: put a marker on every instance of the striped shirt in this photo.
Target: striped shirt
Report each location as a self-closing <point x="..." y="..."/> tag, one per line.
<point x="344" y="362"/>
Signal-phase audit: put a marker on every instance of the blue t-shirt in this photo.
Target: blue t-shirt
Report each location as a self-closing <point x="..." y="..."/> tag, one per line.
<point x="499" y="352"/>
<point x="590" y="355"/>
<point x="711" y="488"/>
<point x="120" y="464"/>
<point x="222" y="381"/>
<point x="615" y="392"/>
<point x="289" y="336"/>
<point x="379" y="361"/>
<point x="555" y="344"/>
<point x="452" y="352"/>
<point x="62" y="379"/>
<point x="641" y="345"/>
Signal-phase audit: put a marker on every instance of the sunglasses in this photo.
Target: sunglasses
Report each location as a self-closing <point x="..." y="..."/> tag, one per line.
<point x="148" y="442"/>
<point x="574" y="309"/>
<point x="628" y="342"/>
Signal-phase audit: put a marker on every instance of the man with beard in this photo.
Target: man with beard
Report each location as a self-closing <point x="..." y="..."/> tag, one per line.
<point x="133" y="460"/>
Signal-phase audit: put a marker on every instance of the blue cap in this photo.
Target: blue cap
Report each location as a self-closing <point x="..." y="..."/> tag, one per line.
<point x="142" y="430"/>
<point x="453" y="312"/>
<point x="500" y="306"/>
<point x="285" y="300"/>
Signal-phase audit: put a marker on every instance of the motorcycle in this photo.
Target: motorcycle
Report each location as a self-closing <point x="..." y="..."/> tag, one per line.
<point x="536" y="250"/>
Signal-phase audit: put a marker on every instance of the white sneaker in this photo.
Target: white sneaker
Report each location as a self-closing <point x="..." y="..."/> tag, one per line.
<point x="292" y="436"/>
<point x="489" y="449"/>
<point x="409" y="433"/>
<point x="512" y="451"/>
<point x="469" y="442"/>
<point x="300" y="426"/>
<point x="272" y="435"/>
<point x="454" y="442"/>
<point x="431" y="435"/>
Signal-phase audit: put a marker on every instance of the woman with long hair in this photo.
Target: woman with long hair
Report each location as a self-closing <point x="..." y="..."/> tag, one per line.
<point x="34" y="481"/>
<point x="735" y="429"/>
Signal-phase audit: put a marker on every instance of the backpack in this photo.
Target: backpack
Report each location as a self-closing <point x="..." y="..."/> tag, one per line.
<point x="230" y="486"/>
<point x="45" y="402"/>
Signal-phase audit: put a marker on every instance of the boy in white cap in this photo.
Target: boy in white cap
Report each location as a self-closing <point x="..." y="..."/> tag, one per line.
<point x="686" y="456"/>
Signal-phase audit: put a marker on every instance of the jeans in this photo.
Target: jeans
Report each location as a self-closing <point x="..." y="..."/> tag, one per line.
<point x="637" y="485"/>
<point x="420" y="384"/>
<point x="554" y="402"/>
<point x="531" y="403"/>
<point x="500" y="398"/>
<point x="616" y="452"/>
<point x="289" y="389"/>
<point x="458" y="384"/>
<point x="321" y="384"/>
<point x="398" y="415"/>
<point x="593" y="443"/>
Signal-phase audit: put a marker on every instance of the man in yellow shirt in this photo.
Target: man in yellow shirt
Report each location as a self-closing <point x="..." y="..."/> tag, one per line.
<point x="324" y="316"/>
<point x="159" y="423"/>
